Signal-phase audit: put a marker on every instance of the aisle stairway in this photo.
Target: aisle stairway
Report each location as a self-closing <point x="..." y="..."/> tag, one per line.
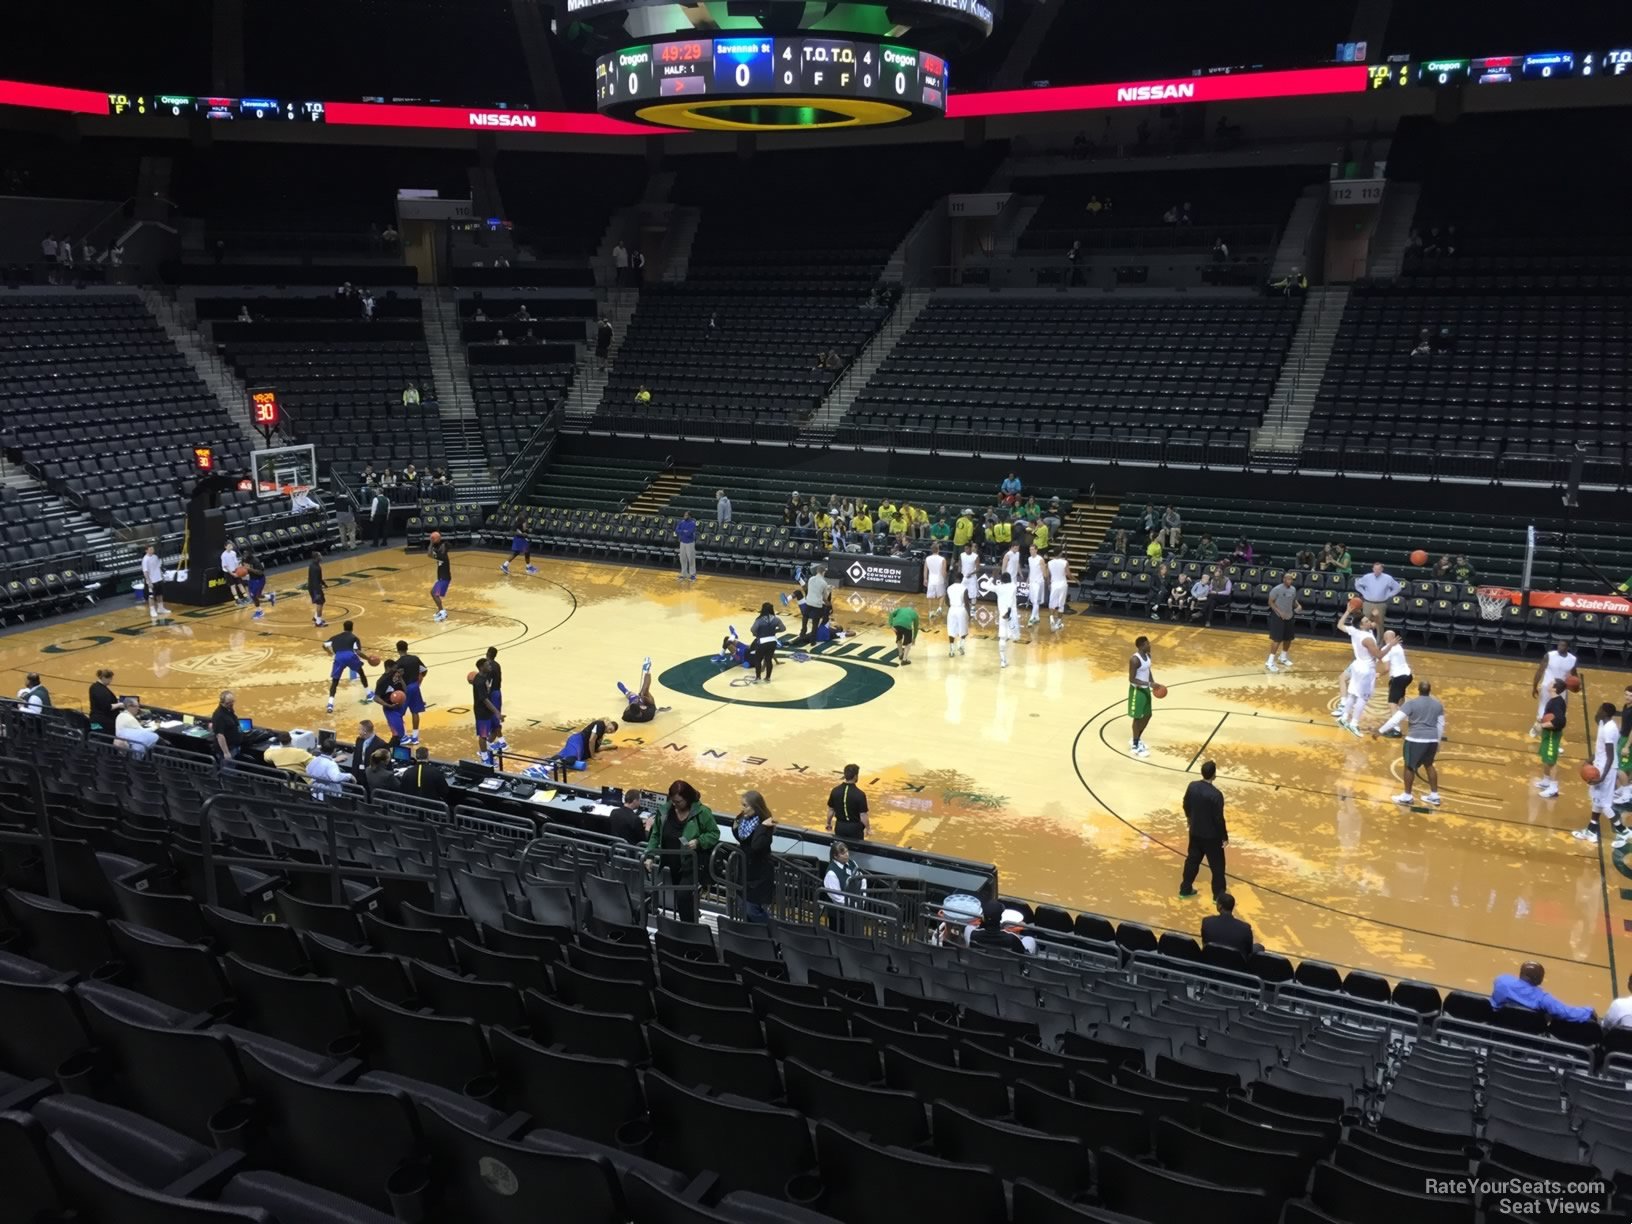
<point x="664" y="488"/>
<point x="1085" y="528"/>
<point x="1293" y="400"/>
<point x="455" y="403"/>
<point x="842" y="396"/>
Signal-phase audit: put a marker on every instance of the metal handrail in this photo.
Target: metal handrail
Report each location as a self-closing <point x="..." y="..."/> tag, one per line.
<point x="43" y="835"/>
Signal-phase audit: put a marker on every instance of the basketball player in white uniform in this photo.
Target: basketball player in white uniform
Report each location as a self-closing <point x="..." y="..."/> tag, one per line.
<point x="1559" y="664"/>
<point x="1399" y="674"/>
<point x="957" y="617"/>
<point x="1008" y="612"/>
<point x="1011" y="565"/>
<point x="152" y="575"/>
<point x="1037" y="584"/>
<point x="935" y="580"/>
<point x="1362" y="672"/>
<point x="969" y="564"/>
<point x="1059" y="584"/>
<point x="1606" y="745"/>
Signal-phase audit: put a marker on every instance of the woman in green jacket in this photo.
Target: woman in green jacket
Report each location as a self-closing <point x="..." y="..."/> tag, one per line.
<point x="685" y="823"/>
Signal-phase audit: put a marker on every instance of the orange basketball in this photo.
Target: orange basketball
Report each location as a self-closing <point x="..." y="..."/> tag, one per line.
<point x="1591" y="774"/>
<point x="1419" y="556"/>
<point x="470" y="677"/>
<point x="241" y="572"/>
<point x="1572" y="682"/>
<point x="1158" y="690"/>
<point x="1356" y="603"/>
<point x="373" y="660"/>
<point x="436" y="537"/>
<point x="397" y="698"/>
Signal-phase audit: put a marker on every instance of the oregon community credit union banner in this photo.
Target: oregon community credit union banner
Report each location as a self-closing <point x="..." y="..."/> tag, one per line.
<point x="879" y="573"/>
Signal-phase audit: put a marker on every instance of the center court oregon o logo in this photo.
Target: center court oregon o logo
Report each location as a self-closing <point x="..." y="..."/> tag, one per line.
<point x="857" y="683"/>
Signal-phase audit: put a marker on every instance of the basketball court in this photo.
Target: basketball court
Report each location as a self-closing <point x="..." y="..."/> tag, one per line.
<point x="1026" y="767"/>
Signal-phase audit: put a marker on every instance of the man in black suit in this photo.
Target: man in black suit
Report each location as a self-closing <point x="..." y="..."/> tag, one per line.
<point x="1204" y="809"/>
<point x="367" y="743"/>
<point x="1225" y="930"/>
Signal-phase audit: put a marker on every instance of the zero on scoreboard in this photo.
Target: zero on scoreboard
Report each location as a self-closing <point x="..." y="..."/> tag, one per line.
<point x="745" y="64"/>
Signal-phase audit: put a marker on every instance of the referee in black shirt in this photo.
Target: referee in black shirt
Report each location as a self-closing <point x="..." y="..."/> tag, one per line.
<point x="847" y="808"/>
<point x="1204" y="809"/>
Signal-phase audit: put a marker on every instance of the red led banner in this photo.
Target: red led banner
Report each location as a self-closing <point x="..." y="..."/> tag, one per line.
<point x="481" y="119"/>
<point x="1238" y="87"/>
<point x="53" y="97"/>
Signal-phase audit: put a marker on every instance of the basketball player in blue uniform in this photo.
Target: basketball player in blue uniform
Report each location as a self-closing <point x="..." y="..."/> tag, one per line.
<point x="521" y="546"/>
<point x="495" y="694"/>
<point x="257" y="582"/>
<point x="444" y="573"/>
<point x="413" y="672"/>
<point x="487" y="715"/>
<point x="348" y="656"/>
<point x="386" y="689"/>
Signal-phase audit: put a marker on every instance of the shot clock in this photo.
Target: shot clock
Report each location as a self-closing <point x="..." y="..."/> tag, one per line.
<point x="762" y="82"/>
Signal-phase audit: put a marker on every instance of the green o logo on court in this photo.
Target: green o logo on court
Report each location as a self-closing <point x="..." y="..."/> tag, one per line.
<point x="823" y="683"/>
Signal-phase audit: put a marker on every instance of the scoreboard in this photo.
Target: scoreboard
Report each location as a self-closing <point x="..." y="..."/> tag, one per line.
<point x="764" y="68"/>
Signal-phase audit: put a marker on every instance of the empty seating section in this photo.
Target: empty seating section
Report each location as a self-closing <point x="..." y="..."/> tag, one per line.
<point x="1441" y="611"/>
<point x="1189" y="374"/>
<point x="461" y="53"/>
<point x="103" y="407"/>
<point x="1245" y="208"/>
<point x="516" y="385"/>
<point x="1090" y="42"/>
<point x="170" y="38"/>
<point x="496" y="1041"/>
<point x="343" y="385"/>
<point x="783" y="281"/>
<point x="560" y="203"/>
<point x="1526" y="304"/>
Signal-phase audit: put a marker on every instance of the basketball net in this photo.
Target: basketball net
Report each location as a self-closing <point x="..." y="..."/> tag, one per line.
<point x="1493" y="602"/>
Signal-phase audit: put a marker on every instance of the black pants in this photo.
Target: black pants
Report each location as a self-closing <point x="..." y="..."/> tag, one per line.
<point x="764" y="656"/>
<point x="812" y="619"/>
<point x="683" y="897"/>
<point x="381" y="526"/>
<point x="1204" y="848"/>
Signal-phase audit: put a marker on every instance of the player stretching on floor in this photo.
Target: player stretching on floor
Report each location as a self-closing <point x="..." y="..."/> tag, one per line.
<point x="582" y="745"/>
<point x="935" y="580"/>
<point x="438" y="552"/>
<point x="1559" y="664"/>
<point x="348" y="656"/>
<point x="1008" y="612"/>
<point x="1141" y="679"/>
<point x="413" y="673"/>
<point x="521" y="546"/>
<point x="641" y="708"/>
<point x="1362" y="672"/>
<point x="957" y="616"/>
<point x="495" y="683"/>
<point x="489" y="719"/>
<point x="316" y="587"/>
<point x="1059" y="585"/>
<point x="391" y="691"/>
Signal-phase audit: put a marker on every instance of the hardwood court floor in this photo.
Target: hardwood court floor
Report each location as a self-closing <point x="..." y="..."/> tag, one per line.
<point x="1027" y="767"/>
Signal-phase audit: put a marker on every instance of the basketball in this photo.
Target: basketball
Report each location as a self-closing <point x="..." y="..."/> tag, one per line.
<point x="1572" y="682"/>
<point x="1591" y="774"/>
<point x="1158" y="690"/>
<point x="1419" y="556"/>
<point x="241" y="572"/>
<point x="373" y="660"/>
<point x="436" y="537"/>
<point x="1356" y="603"/>
<point x="397" y="698"/>
<point x="470" y="677"/>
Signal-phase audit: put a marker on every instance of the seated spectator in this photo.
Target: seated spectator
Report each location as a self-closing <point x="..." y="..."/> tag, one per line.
<point x="325" y="776"/>
<point x="1153" y="550"/>
<point x="824" y="524"/>
<point x="411" y="396"/>
<point x="1094" y="207"/>
<point x="1219" y="594"/>
<point x="1201" y="590"/>
<point x="1225" y="930"/>
<point x="284" y="755"/>
<point x="1221" y="251"/>
<point x="862" y="523"/>
<point x="1619" y="1013"/>
<point x="940" y="530"/>
<point x="522" y="314"/>
<point x="804" y="525"/>
<point x="1181" y="604"/>
<point x="1119" y="542"/>
<point x="991" y="935"/>
<point x="128" y="728"/>
<point x="643" y="396"/>
<point x="1343" y="561"/>
<point x="302" y="502"/>
<point x="1172" y="527"/>
<point x="1424" y="345"/>
<point x="501" y="339"/>
<point x="480" y="316"/>
<point x="1524" y="990"/>
<point x="370" y="476"/>
<point x="1171" y="216"/>
<point x="1306" y="560"/>
<point x="378" y="773"/>
<point x="1442" y="568"/>
<point x="1054" y="517"/>
<point x="1462" y="571"/>
<point x="1242" y="552"/>
<point x="1009" y="491"/>
<point x="1206" y="550"/>
<point x="244" y="316"/>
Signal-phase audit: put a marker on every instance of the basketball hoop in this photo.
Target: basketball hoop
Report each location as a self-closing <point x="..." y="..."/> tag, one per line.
<point x="1493" y="602"/>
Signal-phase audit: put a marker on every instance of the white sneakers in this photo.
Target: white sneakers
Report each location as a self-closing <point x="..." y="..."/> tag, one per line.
<point x="331" y="705"/>
<point x="1431" y="798"/>
<point x="1137" y="747"/>
<point x="441" y="615"/>
<point x="1586" y="835"/>
<point x="1405" y="799"/>
<point x="1270" y="664"/>
<point x="1286" y="661"/>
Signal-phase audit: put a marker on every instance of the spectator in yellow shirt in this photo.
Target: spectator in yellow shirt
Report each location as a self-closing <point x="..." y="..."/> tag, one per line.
<point x="1153" y="550"/>
<point x="899" y="525"/>
<point x="1002" y="532"/>
<point x="963" y="530"/>
<point x="863" y="522"/>
<point x="920" y="522"/>
<point x="1040" y="535"/>
<point x="886" y="510"/>
<point x="824" y="524"/>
